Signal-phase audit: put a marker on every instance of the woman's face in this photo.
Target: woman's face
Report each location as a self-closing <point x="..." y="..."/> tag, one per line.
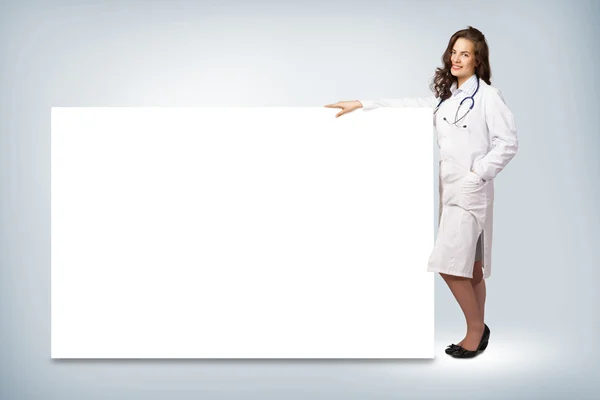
<point x="463" y="58"/>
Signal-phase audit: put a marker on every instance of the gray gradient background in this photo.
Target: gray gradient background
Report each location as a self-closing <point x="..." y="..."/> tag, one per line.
<point x="542" y="306"/>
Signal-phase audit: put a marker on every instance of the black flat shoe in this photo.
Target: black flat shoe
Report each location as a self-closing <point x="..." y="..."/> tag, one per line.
<point x="461" y="352"/>
<point x="451" y="348"/>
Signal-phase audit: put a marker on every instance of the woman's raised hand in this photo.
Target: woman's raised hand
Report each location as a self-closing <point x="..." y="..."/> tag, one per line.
<point x="346" y="106"/>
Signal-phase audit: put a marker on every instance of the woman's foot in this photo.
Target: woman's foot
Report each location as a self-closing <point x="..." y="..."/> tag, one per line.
<point x="473" y="343"/>
<point x="473" y="338"/>
<point x="453" y="347"/>
<point x="462" y="352"/>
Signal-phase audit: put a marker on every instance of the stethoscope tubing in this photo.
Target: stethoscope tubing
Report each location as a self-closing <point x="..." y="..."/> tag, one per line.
<point x="472" y="98"/>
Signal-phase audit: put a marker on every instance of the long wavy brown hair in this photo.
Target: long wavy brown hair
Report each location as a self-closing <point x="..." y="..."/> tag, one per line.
<point x="443" y="79"/>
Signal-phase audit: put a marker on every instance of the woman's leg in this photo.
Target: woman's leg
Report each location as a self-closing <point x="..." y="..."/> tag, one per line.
<point x="478" y="284"/>
<point x="477" y="281"/>
<point x="464" y="293"/>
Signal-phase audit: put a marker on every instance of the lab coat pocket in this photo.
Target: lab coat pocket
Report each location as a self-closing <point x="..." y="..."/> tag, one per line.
<point x="473" y="177"/>
<point x="473" y="192"/>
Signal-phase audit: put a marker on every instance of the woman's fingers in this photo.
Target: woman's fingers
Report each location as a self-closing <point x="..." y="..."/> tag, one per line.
<point x="346" y="106"/>
<point x="341" y="113"/>
<point x="338" y="105"/>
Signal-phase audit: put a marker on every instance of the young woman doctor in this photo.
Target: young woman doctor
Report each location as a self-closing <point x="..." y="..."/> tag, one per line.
<point x="477" y="137"/>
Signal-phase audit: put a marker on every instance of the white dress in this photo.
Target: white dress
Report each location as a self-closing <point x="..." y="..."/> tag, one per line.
<point x="483" y="142"/>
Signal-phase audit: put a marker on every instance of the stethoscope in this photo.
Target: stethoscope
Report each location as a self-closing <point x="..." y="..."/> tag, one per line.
<point x="461" y="103"/>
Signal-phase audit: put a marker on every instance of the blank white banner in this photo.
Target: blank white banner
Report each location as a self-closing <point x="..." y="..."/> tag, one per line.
<point x="241" y="232"/>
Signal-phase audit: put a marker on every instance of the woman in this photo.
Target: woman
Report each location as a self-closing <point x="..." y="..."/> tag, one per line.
<point x="477" y="137"/>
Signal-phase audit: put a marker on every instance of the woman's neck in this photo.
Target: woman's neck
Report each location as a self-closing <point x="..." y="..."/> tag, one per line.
<point x="460" y="81"/>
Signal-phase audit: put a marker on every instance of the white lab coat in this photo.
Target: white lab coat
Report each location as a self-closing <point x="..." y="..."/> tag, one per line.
<point x="485" y="146"/>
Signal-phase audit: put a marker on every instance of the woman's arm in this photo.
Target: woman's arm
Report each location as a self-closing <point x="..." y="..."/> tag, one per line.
<point x="501" y="125"/>
<point x="351" y="105"/>
<point x="430" y="102"/>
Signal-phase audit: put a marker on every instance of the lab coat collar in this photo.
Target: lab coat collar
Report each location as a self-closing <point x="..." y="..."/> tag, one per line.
<point x="468" y="87"/>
